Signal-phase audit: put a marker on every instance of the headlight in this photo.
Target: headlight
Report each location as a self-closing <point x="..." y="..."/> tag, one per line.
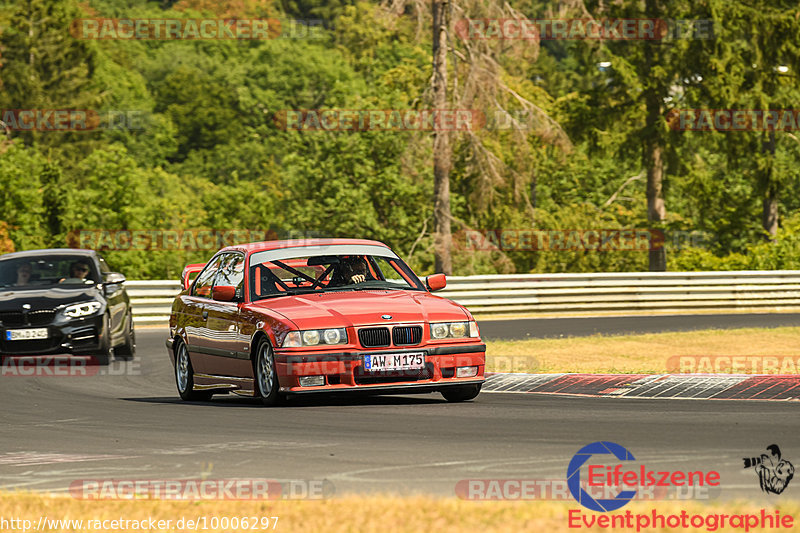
<point x="82" y="309"/>
<point x="439" y="331"/>
<point x="454" y="330"/>
<point x="332" y="336"/>
<point x="314" y="337"/>
<point x="311" y="337"/>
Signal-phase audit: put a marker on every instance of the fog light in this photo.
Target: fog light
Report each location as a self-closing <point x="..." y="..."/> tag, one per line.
<point x="466" y="371"/>
<point x="312" y="381"/>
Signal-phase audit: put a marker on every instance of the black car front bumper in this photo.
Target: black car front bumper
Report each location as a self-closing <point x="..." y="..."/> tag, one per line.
<point x="81" y="336"/>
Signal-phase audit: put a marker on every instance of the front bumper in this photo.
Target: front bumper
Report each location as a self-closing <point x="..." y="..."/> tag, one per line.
<point x="77" y="336"/>
<point x="344" y="371"/>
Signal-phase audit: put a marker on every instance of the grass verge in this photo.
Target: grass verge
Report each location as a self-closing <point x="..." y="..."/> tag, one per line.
<point x="365" y="514"/>
<point x="642" y="354"/>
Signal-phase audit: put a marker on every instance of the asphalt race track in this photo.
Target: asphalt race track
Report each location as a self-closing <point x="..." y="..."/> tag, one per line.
<point x="132" y="425"/>
<point x="625" y="325"/>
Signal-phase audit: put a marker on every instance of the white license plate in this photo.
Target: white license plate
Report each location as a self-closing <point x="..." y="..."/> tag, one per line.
<point x="394" y="361"/>
<point x="25" y="334"/>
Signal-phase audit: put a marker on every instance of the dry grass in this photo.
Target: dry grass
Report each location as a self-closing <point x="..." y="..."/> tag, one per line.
<point x="633" y="354"/>
<point x="366" y="514"/>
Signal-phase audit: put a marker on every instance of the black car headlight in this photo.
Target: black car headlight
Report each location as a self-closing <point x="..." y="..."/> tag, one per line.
<point x="454" y="330"/>
<point x="314" y="337"/>
<point x="82" y="309"/>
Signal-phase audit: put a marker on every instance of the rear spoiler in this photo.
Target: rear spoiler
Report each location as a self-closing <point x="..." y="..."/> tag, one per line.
<point x="188" y="270"/>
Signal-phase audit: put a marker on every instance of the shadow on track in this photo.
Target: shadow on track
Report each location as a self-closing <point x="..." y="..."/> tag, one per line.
<point x="326" y="400"/>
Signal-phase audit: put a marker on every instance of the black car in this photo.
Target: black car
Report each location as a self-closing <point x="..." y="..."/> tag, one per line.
<point x="63" y="301"/>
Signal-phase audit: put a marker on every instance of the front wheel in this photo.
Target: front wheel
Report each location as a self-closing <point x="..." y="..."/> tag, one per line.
<point x="128" y="349"/>
<point x="184" y="376"/>
<point x="267" y="388"/>
<point x="105" y="354"/>
<point x="462" y="393"/>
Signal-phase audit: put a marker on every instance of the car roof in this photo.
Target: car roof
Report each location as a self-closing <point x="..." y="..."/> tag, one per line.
<point x="48" y="252"/>
<point x="296" y="243"/>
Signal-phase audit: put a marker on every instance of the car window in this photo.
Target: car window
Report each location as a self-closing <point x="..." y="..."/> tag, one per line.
<point x="320" y="273"/>
<point x="36" y="272"/>
<point x="231" y="272"/>
<point x="391" y="273"/>
<point x="205" y="280"/>
<point x="104" y="268"/>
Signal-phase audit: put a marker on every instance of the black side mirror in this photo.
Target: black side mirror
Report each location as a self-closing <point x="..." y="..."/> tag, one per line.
<point x="111" y="278"/>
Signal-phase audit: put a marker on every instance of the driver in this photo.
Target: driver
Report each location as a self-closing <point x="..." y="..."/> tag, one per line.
<point x="24" y="271"/>
<point x="77" y="270"/>
<point x="353" y="270"/>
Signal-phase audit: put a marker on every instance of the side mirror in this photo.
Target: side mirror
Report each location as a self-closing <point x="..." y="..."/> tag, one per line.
<point x="188" y="270"/>
<point x="111" y="278"/>
<point x="436" y="282"/>
<point x="223" y="293"/>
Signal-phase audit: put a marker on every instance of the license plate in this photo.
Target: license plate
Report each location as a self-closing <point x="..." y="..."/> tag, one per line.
<point x="26" y="334"/>
<point x="394" y="361"/>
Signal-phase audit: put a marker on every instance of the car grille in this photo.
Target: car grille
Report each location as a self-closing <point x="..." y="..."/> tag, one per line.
<point x="32" y="318"/>
<point x="406" y="335"/>
<point x="374" y="337"/>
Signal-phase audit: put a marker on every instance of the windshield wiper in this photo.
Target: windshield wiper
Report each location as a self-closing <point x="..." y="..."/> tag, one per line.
<point x="283" y="293"/>
<point x="365" y="288"/>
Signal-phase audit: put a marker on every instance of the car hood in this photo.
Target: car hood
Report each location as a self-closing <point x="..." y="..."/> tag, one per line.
<point x="362" y="308"/>
<point x="49" y="298"/>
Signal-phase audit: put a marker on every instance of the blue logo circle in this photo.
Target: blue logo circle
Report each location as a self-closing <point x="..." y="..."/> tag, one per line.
<point x="574" y="476"/>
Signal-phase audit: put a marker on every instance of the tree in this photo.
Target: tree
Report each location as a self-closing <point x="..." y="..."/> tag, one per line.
<point x="441" y="143"/>
<point x="44" y="67"/>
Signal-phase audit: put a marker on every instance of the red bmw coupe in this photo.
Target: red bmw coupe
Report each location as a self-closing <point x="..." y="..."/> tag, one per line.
<point x="279" y="318"/>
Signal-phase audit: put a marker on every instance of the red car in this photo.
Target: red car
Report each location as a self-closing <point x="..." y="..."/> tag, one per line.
<point x="279" y="318"/>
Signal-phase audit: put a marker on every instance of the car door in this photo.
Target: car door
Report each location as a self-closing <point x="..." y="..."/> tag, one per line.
<point x="194" y="312"/>
<point x="116" y="300"/>
<point x="225" y="346"/>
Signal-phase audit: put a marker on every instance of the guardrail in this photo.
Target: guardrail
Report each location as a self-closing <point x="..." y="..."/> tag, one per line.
<point x="623" y="293"/>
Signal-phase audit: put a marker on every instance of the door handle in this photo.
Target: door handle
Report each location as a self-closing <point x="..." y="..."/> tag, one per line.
<point x="205" y="314"/>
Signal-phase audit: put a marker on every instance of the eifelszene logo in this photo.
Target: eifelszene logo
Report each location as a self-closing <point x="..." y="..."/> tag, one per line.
<point x="625" y="481"/>
<point x="774" y="473"/>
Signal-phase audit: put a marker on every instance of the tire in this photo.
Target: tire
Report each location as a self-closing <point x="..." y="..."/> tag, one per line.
<point x="184" y="376"/>
<point x="127" y="350"/>
<point x="105" y="354"/>
<point x="462" y="393"/>
<point x="265" y="375"/>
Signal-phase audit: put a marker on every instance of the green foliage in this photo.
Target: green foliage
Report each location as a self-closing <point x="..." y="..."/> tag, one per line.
<point x="207" y="151"/>
<point x="21" y="171"/>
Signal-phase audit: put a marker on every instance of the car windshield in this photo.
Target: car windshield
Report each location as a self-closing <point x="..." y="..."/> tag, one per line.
<point x="301" y="274"/>
<point x="65" y="271"/>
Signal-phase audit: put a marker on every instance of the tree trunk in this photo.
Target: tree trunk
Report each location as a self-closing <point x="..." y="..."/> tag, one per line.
<point x="653" y="146"/>
<point x="654" y="164"/>
<point x="442" y="237"/>
<point x="769" y="213"/>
